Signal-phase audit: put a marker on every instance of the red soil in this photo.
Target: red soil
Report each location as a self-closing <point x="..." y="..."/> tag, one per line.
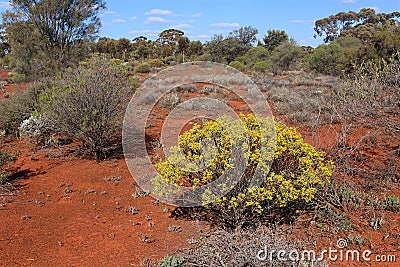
<point x="71" y="212"/>
<point x="8" y="89"/>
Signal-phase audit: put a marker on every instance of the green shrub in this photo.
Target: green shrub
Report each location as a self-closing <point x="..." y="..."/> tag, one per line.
<point x="143" y="68"/>
<point x="261" y="66"/>
<point x="286" y="56"/>
<point x="171" y="261"/>
<point x="237" y="65"/>
<point x="88" y="104"/>
<point x="17" y="78"/>
<point x="204" y="57"/>
<point x="324" y="59"/>
<point x="127" y="67"/>
<point x="5" y="61"/>
<point x="298" y="169"/>
<point x="16" y="109"/>
<point x="391" y="203"/>
<point x="19" y="107"/>
<point x="168" y="60"/>
<point x="254" y="55"/>
<point x="155" y="63"/>
<point x="133" y="81"/>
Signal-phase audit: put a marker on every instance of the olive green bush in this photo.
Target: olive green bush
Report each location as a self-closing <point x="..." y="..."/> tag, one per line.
<point x="143" y="68"/>
<point x="155" y="63"/>
<point x="170" y="261"/>
<point x="286" y="57"/>
<point x="16" y="109"/>
<point x="261" y="66"/>
<point x="237" y="65"/>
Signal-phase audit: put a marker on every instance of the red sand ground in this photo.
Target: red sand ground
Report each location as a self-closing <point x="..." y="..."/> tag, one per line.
<point x="67" y="213"/>
<point x="73" y="212"/>
<point x="9" y="88"/>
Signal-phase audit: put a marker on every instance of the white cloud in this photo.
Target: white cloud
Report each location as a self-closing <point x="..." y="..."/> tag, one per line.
<point x="349" y="1"/>
<point x="197" y="15"/>
<point x="159" y="12"/>
<point x="133" y="18"/>
<point x="200" y="37"/>
<point x="377" y="9"/>
<point x="299" y="21"/>
<point x="138" y="32"/>
<point x="182" y="26"/>
<point x="225" y="25"/>
<point x="204" y="36"/>
<point x="109" y="12"/>
<point x="114" y="21"/>
<point x="155" y="20"/>
<point x="149" y="33"/>
<point x="4" y="4"/>
<point x="117" y="21"/>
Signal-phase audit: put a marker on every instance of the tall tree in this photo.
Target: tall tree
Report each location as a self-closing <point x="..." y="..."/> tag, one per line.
<point x="124" y="46"/>
<point x="169" y="41"/>
<point x="141" y="47"/>
<point x="170" y="36"/>
<point x="225" y="50"/>
<point x="286" y="56"/>
<point x="50" y="34"/>
<point x="245" y="35"/>
<point x="353" y="24"/>
<point x="274" y="38"/>
<point x="183" y="45"/>
<point x="195" y="48"/>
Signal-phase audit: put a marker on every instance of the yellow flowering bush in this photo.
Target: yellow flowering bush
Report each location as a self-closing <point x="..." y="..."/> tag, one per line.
<point x="290" y="169"/>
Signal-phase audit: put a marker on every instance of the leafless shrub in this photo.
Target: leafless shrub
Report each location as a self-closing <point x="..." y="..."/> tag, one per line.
<point x="377" y="222"/>
<point x="240" y="248"/>
<point x="299" y="97"/>
<point x="372" y="90"/>
<point x="188" y="87"/>
<point x="209" y="89"/>
<point x="353" y="158"/>
<point x="170" y="100"/>
<point x="302" y="106"/>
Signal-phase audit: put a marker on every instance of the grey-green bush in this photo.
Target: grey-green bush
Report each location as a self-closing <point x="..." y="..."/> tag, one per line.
<point x="87" y="104"/>
<point x="144" y="68"/>
<point x="16" y="109"/>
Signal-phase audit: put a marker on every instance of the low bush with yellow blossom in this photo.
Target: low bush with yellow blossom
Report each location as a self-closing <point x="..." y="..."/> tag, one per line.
<point x="290" y="170"/>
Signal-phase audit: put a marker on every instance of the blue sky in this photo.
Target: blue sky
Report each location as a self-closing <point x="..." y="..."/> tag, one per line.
<point x="201" y="19"/>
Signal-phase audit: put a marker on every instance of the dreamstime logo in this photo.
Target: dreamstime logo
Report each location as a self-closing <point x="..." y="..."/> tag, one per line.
<point x="340" y="253"/>
<point x="190" y="79"/>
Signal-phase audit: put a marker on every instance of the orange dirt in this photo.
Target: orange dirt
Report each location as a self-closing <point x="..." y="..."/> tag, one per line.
<point x="8" y="89"/>
<point x="70" y="212"/>
<point x="66" y="211"/>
